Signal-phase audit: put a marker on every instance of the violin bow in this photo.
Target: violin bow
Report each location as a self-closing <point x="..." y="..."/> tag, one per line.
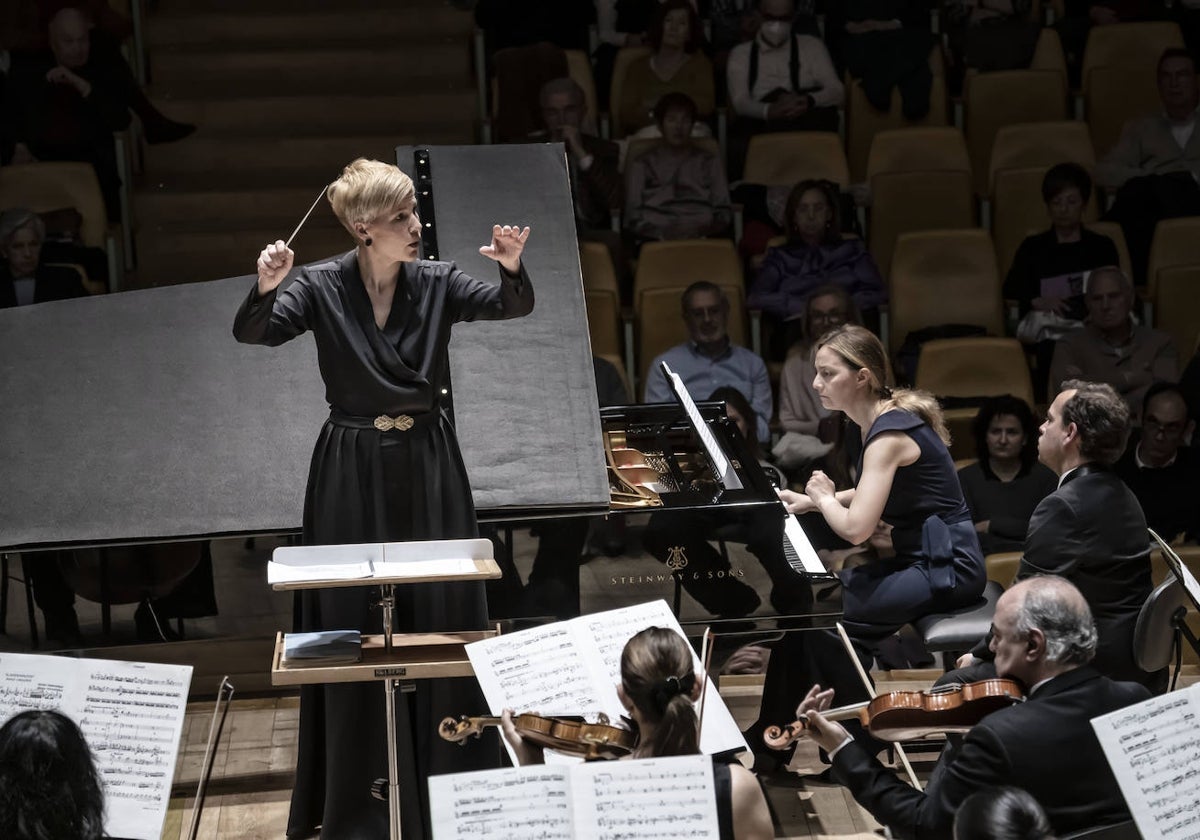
<point x="866" y="681"/>
<point x="316" y="201"/>
<point x="706" y="652"/>
<point x="224" y="698"/>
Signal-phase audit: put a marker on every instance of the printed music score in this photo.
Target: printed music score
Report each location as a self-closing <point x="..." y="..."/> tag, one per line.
<point x="131" y="714"/>
<point x="1154" y="750"/>
<point x="648" y="799"/>
<point x="573" y="668"/>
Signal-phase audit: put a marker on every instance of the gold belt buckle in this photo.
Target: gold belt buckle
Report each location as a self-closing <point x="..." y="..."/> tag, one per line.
<point x="401" y="423"/>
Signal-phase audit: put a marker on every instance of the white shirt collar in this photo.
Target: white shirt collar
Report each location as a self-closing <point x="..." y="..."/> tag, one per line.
<point x="1063" y="478"/>
<point x="1142" y="465"/>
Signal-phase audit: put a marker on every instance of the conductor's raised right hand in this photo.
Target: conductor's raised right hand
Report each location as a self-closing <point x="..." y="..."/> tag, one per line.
<point x="274" y="263"/>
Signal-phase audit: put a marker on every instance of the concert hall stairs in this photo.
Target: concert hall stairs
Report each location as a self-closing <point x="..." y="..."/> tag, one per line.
<point x="284" y="93"/>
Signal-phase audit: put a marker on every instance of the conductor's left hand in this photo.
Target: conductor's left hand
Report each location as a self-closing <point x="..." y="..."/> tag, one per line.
<point x="508" y="241"/>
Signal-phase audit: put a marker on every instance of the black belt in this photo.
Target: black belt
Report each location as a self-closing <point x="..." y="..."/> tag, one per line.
<point x="400" y="423"/>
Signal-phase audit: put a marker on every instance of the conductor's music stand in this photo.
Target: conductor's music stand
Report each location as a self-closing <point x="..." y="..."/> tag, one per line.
<point x="395" y="658"/>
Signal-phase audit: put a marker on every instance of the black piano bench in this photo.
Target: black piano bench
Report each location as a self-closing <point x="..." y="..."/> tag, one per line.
<point x="954" y="633"/>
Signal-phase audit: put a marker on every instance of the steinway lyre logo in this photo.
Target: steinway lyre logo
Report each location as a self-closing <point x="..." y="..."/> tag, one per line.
<point x="676" y="558"/>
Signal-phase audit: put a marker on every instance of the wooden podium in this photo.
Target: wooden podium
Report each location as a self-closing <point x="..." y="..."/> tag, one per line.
<point x="395" y="658"/>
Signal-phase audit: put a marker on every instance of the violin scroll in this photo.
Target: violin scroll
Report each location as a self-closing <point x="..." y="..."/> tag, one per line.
<point x="782" y="737"/>
<point x="460" y="729"/>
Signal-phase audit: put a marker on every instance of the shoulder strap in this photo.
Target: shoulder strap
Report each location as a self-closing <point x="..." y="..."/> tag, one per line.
<point x="794" y="65"/>
<point x="753" y="77"/>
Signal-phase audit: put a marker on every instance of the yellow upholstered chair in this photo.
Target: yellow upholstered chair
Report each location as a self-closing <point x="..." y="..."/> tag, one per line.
<point x="1174" y="244"/>
<point x="681" y="262"/>
<point x="595" y="261"/>
<point x="1048" y="52"/>
<point x="1137" y="44"/>
<point x="788" y="157"/>
<point x="1044" y="144"/>
<point x="1113" y="231"/>
<point x="994" y="100"/>
<point x="1017" y="207"/>
<point x="625" y="57"/>
<point x="604" y="322"/>
<point x="579" y="68"/>
<point x="863" y="122"/>
<point x="1177" y="305"/>
<point x="1002" y="567"/>
<point x="909" y="201"/>
<point x="943" y="277"/>
<point x="934" y="148"/>
<point x="1116" y="94"/>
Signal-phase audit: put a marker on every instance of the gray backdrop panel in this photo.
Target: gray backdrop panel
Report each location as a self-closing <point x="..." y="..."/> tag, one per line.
<point x="136" y="416"/>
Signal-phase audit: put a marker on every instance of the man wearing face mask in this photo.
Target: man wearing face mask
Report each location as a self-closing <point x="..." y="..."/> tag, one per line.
<point x="779" y="81"/>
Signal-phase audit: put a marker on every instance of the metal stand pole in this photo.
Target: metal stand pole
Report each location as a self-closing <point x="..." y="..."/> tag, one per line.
<point x="388" y="601"/>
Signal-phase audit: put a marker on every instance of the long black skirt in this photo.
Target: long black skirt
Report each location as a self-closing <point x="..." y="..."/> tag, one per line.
<point x="371" y="486"/>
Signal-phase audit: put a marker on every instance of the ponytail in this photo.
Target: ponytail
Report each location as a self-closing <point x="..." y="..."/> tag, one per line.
<point x="921" y="403"/>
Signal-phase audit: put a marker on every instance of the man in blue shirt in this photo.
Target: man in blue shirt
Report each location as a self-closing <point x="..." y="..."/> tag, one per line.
<point x="708" y="360"/>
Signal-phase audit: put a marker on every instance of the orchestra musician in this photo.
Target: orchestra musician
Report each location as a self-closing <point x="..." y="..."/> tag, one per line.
<point x="386" y="468"/>
<point x="907" y="479"/>
<point x="659" y="687"/>
<point x="1044" y="638"/>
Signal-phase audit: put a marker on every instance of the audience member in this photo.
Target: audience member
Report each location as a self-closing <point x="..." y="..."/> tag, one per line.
<point x="676" y="65"/>
<point x="1046" y="277"/>
<point x="1001" y="813"/>
<point x="738" y="410"/>
<point x="63" y="106"/>
<point x="1091" y="530"/>
<point x="1044" y="638"/>
<point x="24" y="278"/>
<point x="1007" y="482"/>
<point x="816" y="254"/>
<point x="1160" y="468"/>
<point x="1155" y="164"/>
<point x="49" y="786"/>
<point x="619" y="23"/>
<point x="659" y="688"/>
<point x="1111" y="347"/>
<point x="676" y="189"/>
<point x="708" y="359"/>
<point x="885" y="44"/>
<point x="987" y="35"/>
<point x="779" y="82"/>
<point x="809" y="428"/>
<point x="1079" y="16"/>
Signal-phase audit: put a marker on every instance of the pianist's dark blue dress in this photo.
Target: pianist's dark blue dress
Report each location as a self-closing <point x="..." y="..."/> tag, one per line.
<point x="367" y="485"/>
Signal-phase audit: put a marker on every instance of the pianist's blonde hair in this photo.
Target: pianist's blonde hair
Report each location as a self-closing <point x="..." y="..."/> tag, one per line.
<point x="861" y="350"/>
<point x="366" y="190"/>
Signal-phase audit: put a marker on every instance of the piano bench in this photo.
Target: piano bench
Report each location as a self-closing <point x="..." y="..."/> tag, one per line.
<point x="955" y="633"/>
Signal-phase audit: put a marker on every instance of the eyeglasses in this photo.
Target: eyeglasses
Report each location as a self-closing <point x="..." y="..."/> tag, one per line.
<point x="705" y="311"/>
<point x="1153" y="427"/>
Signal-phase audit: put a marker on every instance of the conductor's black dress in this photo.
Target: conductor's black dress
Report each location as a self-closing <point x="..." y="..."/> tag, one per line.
<point x="367" y="485"/>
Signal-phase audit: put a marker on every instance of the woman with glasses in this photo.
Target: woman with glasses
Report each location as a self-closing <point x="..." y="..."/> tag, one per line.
<point x="816" y="254"/>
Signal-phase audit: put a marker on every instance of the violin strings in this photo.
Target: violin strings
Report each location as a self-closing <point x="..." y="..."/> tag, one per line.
<point x="306" y="215"/>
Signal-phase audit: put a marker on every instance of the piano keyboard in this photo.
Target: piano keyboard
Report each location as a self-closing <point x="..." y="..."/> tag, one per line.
<point x="799" y="552"/>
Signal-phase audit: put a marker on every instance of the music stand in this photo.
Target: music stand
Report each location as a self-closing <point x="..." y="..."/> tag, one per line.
<point x="396" y="658"/>
<point x="1191" y="588"/>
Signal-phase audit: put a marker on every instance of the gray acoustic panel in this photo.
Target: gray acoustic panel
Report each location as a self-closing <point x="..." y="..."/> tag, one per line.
<point x="137" y="417"/>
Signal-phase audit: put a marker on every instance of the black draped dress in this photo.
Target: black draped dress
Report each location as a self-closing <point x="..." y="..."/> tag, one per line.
<point x="367" y="485"/>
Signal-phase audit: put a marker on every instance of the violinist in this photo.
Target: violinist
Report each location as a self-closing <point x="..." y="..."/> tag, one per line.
<point x="1043" y="637"/>
<point x="658" y="688"/>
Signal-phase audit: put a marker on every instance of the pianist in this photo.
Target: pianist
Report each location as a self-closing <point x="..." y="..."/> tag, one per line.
<point x="386" y="468"/>
<point x="907" y="479"/>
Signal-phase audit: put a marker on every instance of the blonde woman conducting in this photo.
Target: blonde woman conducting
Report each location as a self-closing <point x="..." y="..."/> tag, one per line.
<point x="386" y="467"/>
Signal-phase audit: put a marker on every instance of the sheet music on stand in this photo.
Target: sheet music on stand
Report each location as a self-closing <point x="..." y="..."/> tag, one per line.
<point x="1153" y="748"/>
<point x="716" y="455"/>
<point x="1180" y="569"/>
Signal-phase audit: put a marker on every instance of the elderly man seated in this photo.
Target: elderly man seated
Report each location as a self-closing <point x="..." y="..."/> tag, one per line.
<point x="1043" y="638"/>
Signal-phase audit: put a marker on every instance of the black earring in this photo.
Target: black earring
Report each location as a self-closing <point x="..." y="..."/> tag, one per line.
<point x="367" y="242"/>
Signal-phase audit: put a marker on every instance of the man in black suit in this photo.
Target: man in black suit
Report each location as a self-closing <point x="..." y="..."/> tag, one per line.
<point x="1044" y="638"/>
<point x="1091" y="530"/>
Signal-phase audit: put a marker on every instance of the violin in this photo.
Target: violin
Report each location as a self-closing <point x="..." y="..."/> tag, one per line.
<point x="910" y="715"/>
<point x="590" y="741"/>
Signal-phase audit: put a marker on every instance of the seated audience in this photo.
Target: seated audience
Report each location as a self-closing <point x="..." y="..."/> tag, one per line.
<point x="24" y="277"/>
<point x="1111" y="347"/>
<point x="885" y="45"/>
<point x="677" y="189"/>
<point x="1155" y="164"/>
<point x="987" y="35"/>
<point x="816" y="254"/>
<point x="619" y="23"/>
<point x="1007" y="482"/>
<point x="1044" y="638"/>
<point x="676" y="65"/>
<point x="1046" y="277"/>
<point x="1091" y="530"/>
<point x="1079" y="16"/>
<point x="49" y="786"/>
<point x="779" y="82"/>
<point x="660" y="688"/>
<point x="1160" y="468"/>
<point x="809" y="428"/>
<point x="1001" y="813"/>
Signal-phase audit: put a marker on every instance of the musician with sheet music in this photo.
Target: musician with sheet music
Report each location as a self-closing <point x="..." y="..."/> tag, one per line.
<point x="1045" y="639"/>
<point x="386" y="468"/>
<point x="659" y="688"/>
<point x="907" y="479"/>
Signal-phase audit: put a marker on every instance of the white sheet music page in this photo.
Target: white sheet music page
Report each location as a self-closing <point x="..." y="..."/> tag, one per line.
<point x="530" y="802"/>
<point x="650" y="799"/>
<point x="724" y="469"/>
<point x="573" y="668"/>
<point x="1154" y="751"/>
<point x="131" y="714"/>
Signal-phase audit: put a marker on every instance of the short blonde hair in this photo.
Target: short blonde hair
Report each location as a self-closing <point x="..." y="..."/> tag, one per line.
<point x="366" y="190"/>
